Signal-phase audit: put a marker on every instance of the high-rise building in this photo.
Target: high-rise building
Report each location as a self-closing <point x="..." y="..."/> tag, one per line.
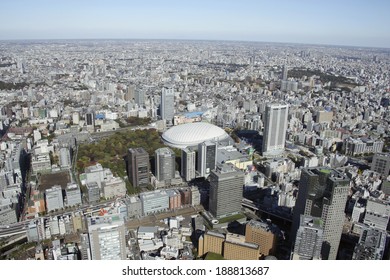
<point x="54" y="198"/>
<point x="309" y="239"/>
<point x="188" y="158"/>
<point x="107" y="237"/>
<point x="275" y="127"/>
<point x="381" y="164"/>
<point x="139" y="97"/>
<point x="262" y="234"/>
<point x="165" y="164"/>
<point x="323" y="194"/>
<point x="226" y="186"/>
<point x="90" y="119"/>
<point x="138" y="167"/>
<point x="130" y="94"/>
<point x="284" y="73"/>
<point x="167" y="106"/>
<point x="207" y="158"/>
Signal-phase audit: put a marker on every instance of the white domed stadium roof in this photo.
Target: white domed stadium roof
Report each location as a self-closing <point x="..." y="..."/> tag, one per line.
<point x="192" y="134"/>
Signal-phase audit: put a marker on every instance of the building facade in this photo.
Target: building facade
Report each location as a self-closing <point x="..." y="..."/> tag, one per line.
<point x="165" y="164"/>
<point x="107" y="238"/>
<point x="275" y="127"/>
<point x="226" y="187"/>
<point x="138" y="167"/>
<point x="323" y="194"/>
<point x="188" y="159"/>
<point x="309" y="239"/>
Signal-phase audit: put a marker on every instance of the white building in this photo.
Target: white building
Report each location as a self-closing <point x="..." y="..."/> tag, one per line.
<point x="275" y="127"/>
<point x="54" y="198"/>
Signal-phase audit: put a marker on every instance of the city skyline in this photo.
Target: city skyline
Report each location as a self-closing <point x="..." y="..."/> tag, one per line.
<point x="349" y="23"/>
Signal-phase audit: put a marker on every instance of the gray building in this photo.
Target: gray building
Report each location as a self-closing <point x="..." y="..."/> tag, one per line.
<point x="188" y="159"/>
<point x="165" y="164"/>
<point x="226" y="187"/>
<point x="73" y="194"/>
<point x="65" y="160"/>
<point x="309" y="239"/>
<point x="381" y="164"/>
<point x="54" y="198"/>
<point x="138" y="167"/>
<point x="167" y="106"/>
<point x="107" y="237"/>
<point x="323" y="194"/>
<point x="371" y="246"/>
<point x="134" y="206"/>
<point x="93" y="192"/>
<point x="8" y="213"/>
<point x="139" y="97"/>
<point x="207" y="158"/>
<point x="377" y="213"/>
<point x="154" y="201"/>
<point x="275" y="128"/>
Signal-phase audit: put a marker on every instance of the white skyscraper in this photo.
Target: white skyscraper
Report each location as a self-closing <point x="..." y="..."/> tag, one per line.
<point x="188" y="158"/>
<point x="275" y="127"/>
<point x="167" y="106"/>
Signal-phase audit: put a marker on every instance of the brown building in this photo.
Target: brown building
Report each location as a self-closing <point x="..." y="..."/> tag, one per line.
<point x="174" y="199"/>
<point x="261" y="234"/>
<point x="185" y="195"/>
<point x="138" y="167"/>
<point x="241" y="251"/>
<point x="211" y="242"/>
<point x="324" y="116"/>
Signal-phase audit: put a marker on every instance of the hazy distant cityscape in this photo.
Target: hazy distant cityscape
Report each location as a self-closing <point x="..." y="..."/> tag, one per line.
<point x="186" y="149"/>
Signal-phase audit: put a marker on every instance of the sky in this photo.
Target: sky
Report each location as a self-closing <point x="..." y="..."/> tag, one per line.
<point x="333" y="22"/>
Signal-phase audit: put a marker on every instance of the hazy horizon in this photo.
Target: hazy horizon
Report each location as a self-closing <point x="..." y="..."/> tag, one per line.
<point x="339" y="23"/>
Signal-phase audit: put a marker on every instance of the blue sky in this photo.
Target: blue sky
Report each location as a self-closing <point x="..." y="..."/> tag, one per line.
<point x="337" y="22"/>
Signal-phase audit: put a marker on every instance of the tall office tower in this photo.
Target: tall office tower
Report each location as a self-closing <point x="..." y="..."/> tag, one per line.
<point x="309" y="239"/>
<point x="138" y="167"/>
<point x="207" y="158"/>
<point x="107" y="237"/>
<point x="377" y="213"/>
<point x="167" y="106"/>
<point x="381" y="164"/>
<point x="284" y="73"/>
<point x="188" y="157"/>
<point x="262" y="234"/>
<point x="54" y="198"/>
<point x="139" y="97"/>
<point x="226" y="183"/>
<point x="130" y="94"/>
<point x="90" y="119"/>
<point x="165" y="164"/>
<point x="323" y="194"/>
<point x="275" y="127"/>
<point x="371" y="245"/>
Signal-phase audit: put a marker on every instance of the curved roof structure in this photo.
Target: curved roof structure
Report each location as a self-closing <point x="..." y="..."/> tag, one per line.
<point x="192" y="134"/>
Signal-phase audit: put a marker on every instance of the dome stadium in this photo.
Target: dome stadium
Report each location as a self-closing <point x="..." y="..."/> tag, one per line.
<point x="192" y="134"/>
